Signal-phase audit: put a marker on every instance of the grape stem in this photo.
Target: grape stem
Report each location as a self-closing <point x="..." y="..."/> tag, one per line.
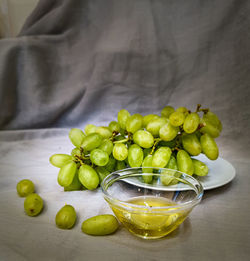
<point x="154" y="146"/>
<point x="121" y="141"/>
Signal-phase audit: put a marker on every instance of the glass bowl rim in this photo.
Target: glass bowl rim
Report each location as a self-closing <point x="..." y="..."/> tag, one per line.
<point x="169" y="209"/>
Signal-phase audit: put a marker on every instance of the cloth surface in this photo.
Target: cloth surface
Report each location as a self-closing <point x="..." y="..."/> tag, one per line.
<point x="217" y="229"/>
<point x="79" y="62"/>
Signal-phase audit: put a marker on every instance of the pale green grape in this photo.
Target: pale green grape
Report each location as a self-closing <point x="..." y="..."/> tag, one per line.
<point x="100" y="225"/>
<point x="146" y="164"/>
<point x="114" y="126"/>
<point x="200" y="168"/>
<point x="168" y="176"/>
<point x="90" y="128"/>
<point x="148" y="118"/>
<point x="135" y="156"/>
<point x="76" y="136"/>
<point x="209" y="146"/>
<point x="102" y="173"/>
<point x="25" y="187"/>
<point x="122" y="118"/>
<point x="143" y="138"/>
<point x="91" y="141"/>
<point x="168" y="132"/>
<point x="154" y="126"/>
<point x="75" y="185"/>
<point x="191" y="122"/>
<point x="161" y="157"/>
<point x="191" y="144"/>
<point x="76" y="152"/>
<point x="66" y="174"/>
<point x="105" y="132"/>
<point x="99" y="157"/>
<point x="88" y="177"/>
<point x="184" y="162"/>
<point x="33" y="205"/>
<point x="120" y="151"/>
<point x="59" y="160"/>
<point x="177" y="118"/>
<point x="183" y="110"/>
<point x="167" y="111"/>
<point x="134" y="123"/>
<point x="209" y="128"/>
<point x="66" y="217"/>
<point x="107" y="146"/>
<point x="213" y="119"/>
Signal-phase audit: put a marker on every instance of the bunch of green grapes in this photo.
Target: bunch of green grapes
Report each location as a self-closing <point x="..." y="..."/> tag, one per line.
<point x="167" y="141"/>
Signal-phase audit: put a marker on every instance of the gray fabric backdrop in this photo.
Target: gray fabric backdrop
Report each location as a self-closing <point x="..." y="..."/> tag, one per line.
<point x="79" y="62"/>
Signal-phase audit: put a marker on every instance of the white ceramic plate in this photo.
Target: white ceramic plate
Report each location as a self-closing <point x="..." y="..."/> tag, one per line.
<point x="220" y="173"/>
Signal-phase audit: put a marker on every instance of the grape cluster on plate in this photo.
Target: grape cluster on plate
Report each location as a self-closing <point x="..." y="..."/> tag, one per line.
<point x="166" y="141"/>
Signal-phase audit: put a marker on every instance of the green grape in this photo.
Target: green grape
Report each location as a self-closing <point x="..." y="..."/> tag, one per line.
<point x="105" y="132"/>
<point x="25" y="187"/>
<point x="102" y="173"/>
<point x="161" y="157"/>
<point x="75" y="185"/>
<point x="120" y="165"/>
<point x="120" y="151"/>
<point x="88" y="177"/>
<point x="99" y="157"/>
<point x="33" y="205"/>
<point x="135" y="156"/>
<point x="66" y="174"/>
<point x="76" y="152"/>
<point x="191" y="144"/>
<point x="209" y="146"/>
<point x="209" y="128"/>
<point x="154" y="126"/>
<point x="168" y="132"/>
<point x="111" y="164"/>
<point x="146" y="152"/>
<point x="100" y="225"/>
<point x="183" y="110"/>
<point x="191" y="122"/>
<point x="177" y="118"/>
<point x="114" y="126"/>
<point x="167" y="111"/>
<point x="90" y="128"/>
<point x="134" y="123"/>
<point x="107" y="146"/>
<point x="76" y="136"/>
<point x="147" y="118"/>
<point x="213" y="119"/>
<point x="184" y="162"/>
<point x="144" y="139"/>
<point x="200" y="168"/>
<point x="59" y="160"/>
<point x="168" y="176"/>
<point x="92" y="141"/>
<point x="66" y="217"/>
<point x="122" y="118"/>
<point x="147" y="162"/>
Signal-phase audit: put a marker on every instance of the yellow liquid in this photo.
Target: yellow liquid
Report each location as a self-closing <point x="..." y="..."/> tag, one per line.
<point x="148" y="224"/>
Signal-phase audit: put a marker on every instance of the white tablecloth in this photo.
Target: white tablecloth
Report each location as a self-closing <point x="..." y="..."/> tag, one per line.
<point x="217" y="229"/>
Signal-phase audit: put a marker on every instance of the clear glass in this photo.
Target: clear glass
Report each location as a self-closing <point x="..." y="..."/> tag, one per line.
<point x="145" y="206"/>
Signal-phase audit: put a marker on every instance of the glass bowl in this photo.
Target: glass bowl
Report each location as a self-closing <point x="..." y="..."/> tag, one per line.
<point x="151" y="202"/>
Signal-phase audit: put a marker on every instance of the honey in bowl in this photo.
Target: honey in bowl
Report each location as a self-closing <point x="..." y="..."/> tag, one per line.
<point x="143" y="222"/>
